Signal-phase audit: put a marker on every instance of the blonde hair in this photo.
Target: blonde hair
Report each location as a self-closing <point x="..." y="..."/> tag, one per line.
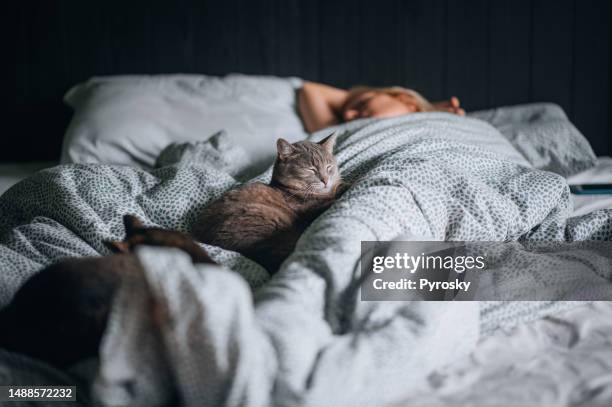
<point x="394" y="91"/>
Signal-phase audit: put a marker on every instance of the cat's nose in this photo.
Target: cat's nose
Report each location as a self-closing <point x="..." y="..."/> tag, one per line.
<point x="325" y="179"/>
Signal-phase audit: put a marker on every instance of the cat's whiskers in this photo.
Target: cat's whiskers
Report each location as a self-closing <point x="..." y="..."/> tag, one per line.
<point x="297" y="191"/>
<point x="307" y="190"/>
<point x="310" y="189"/>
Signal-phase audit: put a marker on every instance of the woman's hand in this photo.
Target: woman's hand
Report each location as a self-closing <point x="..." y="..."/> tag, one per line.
<point x="320" y="106"/>
<point x="451" y="106"/>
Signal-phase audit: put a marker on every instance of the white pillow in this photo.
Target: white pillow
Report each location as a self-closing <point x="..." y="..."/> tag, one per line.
<point x="129" y="119"/>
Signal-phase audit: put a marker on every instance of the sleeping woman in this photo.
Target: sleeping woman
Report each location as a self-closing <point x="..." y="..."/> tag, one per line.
<point x="321" y="106"/>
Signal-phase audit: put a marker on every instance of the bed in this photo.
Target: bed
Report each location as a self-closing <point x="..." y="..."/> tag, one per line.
<point x="295" y="347"/>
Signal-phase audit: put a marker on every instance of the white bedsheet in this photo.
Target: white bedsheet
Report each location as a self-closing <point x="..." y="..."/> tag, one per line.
<point x="565" y="360"/>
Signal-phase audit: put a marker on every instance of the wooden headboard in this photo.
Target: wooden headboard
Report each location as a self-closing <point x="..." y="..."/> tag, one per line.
<point x="488" y="53"/>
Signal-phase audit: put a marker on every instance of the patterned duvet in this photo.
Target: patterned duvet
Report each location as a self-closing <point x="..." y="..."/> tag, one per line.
<point x="305" y="335"/>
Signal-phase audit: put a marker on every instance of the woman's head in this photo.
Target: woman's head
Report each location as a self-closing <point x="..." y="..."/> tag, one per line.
<point x="363" y="102"/>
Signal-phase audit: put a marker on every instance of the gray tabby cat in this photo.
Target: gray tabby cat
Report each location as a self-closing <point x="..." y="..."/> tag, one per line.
<point x="66" y="305"/>
<point x="264" y="222"/>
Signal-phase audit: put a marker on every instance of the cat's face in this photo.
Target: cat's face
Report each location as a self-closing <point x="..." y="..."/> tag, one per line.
<point x="307" y="168"/>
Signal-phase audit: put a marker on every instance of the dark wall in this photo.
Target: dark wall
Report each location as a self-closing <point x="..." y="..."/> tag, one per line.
<point x="488" y="53"/>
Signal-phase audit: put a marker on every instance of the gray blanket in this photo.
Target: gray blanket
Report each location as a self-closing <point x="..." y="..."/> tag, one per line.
<point x="305" y="339"/>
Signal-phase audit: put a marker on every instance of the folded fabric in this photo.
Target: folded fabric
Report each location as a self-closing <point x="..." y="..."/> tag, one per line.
<point x="544" y="135"/>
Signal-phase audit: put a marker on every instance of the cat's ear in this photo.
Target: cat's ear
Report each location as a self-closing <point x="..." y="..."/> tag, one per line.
<point x="328" y="143"/>
<point x="117" y="247"/>
<point x="131" y="223"/>
<point x="285" y="149"/>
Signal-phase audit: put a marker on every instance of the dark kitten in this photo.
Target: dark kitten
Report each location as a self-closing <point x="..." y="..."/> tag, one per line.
<point x="60" y="313"/>
<point x="264" y="222"/>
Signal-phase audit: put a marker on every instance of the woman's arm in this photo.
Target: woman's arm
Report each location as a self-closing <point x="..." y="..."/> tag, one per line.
<point x="320" y="105"/>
